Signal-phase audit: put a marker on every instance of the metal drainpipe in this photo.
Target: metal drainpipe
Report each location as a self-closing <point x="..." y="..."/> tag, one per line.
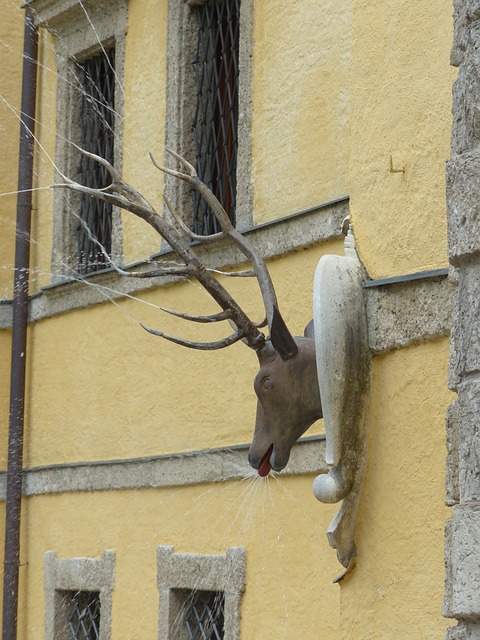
<point x="19" y="333"/>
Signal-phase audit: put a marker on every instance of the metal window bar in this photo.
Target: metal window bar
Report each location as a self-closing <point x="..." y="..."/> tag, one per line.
<point x="215" y="123"/>
<point x="83" y="621"/>
<point x="204" y="615"/>
<point x="97" y="122"/>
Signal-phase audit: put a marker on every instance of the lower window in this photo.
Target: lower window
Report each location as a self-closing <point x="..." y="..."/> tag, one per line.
<point x="200" y="594"/>
<point x="78" y="597"/>
<point x="80" y="613"/>
<point x="201" y="614"/>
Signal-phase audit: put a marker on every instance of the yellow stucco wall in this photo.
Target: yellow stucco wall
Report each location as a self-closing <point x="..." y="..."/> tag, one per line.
<point x="144" y="124"/>
<point x="282" y="578"/>
<point x="396" y="586"/>
<point x="301" y="105"/>
<point x="401" y="108"/>
<point x="396" y="589"/>
<point x="11" y="34"/>
<point x="5" y="357"/>
<point x="340" y="93"/>
<point x="341" y="90"/>
<point x="45" y="131"/>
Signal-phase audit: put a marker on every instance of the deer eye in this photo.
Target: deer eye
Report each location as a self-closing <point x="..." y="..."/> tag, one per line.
<point x="266" y="383"/>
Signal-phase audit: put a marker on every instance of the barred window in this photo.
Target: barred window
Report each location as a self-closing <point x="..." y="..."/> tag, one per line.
<point x="202" y="615"/>
<point x="97" y="122"/>
<point x="215" y="122"/>
<point x="78" y="597"/>
<point x="80" y="611"/>
<point x="200" y="594"/>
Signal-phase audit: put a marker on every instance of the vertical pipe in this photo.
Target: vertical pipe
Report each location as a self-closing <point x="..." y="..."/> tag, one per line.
<point x="19" y="334"/>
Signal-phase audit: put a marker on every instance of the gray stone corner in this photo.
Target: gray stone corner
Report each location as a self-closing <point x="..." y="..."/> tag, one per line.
<point x="456" y="633"/>
<point x="469" y="442"/>
<point x="452" y="465"/>
<point x="473" y="10"/>
<point x="462" y="532"/>
<point x="462" y="559"/>
<point x="463" y="631"/>
<point x="463" y="205"/>
<point x="466" y="322"/>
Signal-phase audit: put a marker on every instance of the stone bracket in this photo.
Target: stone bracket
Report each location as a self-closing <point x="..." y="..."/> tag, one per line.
<point x="344" y="372"/>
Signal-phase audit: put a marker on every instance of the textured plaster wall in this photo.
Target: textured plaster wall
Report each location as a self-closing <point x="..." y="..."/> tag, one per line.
<point x="401" y="107"/>
<point x="300" y="109"/>
<point x="396" y="589"/>
<point x="45" y="131"/>
<point x="301" y="97"/>
<point x="288" y="573"/>
<point x="101" y="388"/>
<point x="143" y="133"/>
<point x="5" y="357"/>
<point x="11" y="32"/>
<point x="144" y="110"/>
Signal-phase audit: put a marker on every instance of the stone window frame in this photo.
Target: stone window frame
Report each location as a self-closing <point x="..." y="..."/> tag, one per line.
<point x="202" y="572"/>
<point x="180" y="104"/>
<point x="76" y="41"/>
<point x="78" y="574"/>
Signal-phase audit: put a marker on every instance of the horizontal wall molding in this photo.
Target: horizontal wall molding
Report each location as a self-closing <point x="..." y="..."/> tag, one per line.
<point x="419" y="275"/>
<point x="285" y="235"/>
<point x="407" y="311"/>
<point x="182" y="469"/>
<point x="401" y="311"/>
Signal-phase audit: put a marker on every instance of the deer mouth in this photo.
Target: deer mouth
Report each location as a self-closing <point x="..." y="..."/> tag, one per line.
<point x="265" y="465"/>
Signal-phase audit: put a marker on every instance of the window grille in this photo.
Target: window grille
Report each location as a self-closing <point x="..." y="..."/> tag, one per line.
<point x="82" y="615"/>
<point x="97" y="122"/>
<point x="215" y="123"/>
<point x="204" y="615"/>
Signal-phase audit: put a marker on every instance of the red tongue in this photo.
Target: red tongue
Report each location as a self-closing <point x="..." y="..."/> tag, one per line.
<point x="265" y="466"/>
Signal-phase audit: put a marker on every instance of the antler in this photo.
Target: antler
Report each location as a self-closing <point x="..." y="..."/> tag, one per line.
<point x="258" y="264"/>
<point x="121" y="194"/>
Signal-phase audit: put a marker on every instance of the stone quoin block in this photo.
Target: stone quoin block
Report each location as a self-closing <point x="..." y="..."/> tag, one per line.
<point x="463" y="205"/>
<point x="453" y="374"/>
<point x="462" y="563"/>
<point x="451" y="471"/>
<point x="465" y="13"/>
<point x="456" y="633"/>
<point x="469" y="441"/>
<point x="459" y="33"/>
<point x="466" y="320"/>
<point x="466" y="94"/>
<point x="467" y="631"/>
<point x="472" y="8"/>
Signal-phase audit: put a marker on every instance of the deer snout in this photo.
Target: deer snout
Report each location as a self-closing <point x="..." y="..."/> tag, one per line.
<point x="257" y="453"/>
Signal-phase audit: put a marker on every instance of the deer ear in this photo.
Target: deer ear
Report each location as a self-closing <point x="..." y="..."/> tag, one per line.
<point x="281" y="338"/>
<point x="309" y="331"/>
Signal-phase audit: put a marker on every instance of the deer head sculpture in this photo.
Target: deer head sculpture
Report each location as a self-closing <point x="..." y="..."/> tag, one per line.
<point x="286" y="384"/>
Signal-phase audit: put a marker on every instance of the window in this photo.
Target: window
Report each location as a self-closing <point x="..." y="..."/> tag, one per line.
<point x="209" y="105"/>
<point x="215" y="122"/>
<point x="80" y="615"/>
<point x="97" y="135"/>
<point x="200" y="615"/>
<point x="78" y="597"/>
<point x="200" y="595"/>
<point x="89" y="98"/>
